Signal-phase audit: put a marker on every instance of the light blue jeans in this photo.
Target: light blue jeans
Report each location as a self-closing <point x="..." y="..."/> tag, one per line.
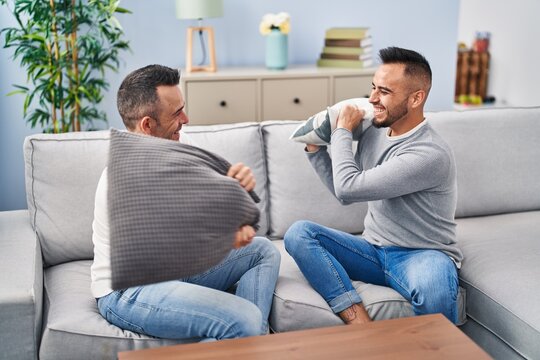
<point x="330" y="259"/>
<point x="198" y="307"/>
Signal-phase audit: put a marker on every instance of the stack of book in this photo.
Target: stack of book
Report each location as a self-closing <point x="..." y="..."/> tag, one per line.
<point x="347" y="48"/>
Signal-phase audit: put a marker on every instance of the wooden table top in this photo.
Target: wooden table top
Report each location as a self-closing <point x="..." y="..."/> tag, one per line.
<point x="420" y="337"/>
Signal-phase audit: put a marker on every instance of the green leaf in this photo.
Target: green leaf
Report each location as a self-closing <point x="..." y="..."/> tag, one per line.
<point x="14" y="92"/>
<point x="84" y="91"/>
<point x="123" y="11"/>
<point x="35" y="37"/>
<point x="27" y="102"/>
<point x="21" y="87"/>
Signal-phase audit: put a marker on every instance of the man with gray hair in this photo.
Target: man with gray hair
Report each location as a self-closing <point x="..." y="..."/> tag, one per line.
<point x="150" y="102"/>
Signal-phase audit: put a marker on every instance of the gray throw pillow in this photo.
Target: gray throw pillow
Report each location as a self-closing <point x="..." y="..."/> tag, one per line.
<point x="173" y="212"/>
<point x="317" y="129"/>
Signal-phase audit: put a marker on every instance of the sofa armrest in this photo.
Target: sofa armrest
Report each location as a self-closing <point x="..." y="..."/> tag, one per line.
<point x="21" y="286"/>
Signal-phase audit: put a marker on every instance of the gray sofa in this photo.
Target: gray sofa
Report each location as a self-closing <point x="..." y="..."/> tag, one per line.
<point x="47" y="310"/>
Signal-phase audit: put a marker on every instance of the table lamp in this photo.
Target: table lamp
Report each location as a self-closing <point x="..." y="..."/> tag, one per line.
<point x="199" y="9"/>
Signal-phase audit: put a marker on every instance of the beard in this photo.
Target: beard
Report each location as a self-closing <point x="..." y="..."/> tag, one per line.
<point x="393" y="115"/>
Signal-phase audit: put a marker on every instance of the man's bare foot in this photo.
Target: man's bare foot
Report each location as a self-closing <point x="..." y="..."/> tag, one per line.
<point x="356" y="314"/>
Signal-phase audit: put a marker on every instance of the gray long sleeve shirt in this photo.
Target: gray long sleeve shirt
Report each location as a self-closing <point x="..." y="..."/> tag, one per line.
<point x="409" y="182"/>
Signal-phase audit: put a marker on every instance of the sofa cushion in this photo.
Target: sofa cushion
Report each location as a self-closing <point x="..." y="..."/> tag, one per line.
<point x="296" y="192"/>
<point x="298" y="306"/>
<point x="62" y="172"/>
<point x="493" y="175"/>
<point x="240" y="142"/>
<point x="500" y="272"/>
<point x="73" y="325"/>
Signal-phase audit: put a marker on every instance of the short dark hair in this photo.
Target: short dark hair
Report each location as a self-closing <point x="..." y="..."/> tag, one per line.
<point x="137" y="96"/>
<point x="416" y="65"/>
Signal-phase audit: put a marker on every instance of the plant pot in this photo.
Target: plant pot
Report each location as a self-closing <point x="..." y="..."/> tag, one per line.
<point x="277" y="50"/>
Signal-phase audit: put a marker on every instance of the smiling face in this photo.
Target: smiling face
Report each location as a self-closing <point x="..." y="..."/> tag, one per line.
<point x="171" y="113"/>
<point x="390" y="95"/>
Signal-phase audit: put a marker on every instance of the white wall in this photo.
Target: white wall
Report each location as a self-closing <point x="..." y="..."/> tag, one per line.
<point x="156" y="36"/>
<point x="514" y="75"/>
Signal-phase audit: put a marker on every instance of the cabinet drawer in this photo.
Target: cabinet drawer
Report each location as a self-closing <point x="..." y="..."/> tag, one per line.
<point x="221" y="102"/>
<point x="351" y="87"/>
<point x="293" y="99"/>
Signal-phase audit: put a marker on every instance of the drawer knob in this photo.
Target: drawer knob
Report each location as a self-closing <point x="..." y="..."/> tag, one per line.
<point x="222" y="103"/>
<point x="296" y="100"/>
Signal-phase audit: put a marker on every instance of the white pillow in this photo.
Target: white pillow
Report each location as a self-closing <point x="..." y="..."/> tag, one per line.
<point x="317" y="130"/>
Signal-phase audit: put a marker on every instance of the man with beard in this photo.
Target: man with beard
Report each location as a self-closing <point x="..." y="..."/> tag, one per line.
<point x="407" y="174"/>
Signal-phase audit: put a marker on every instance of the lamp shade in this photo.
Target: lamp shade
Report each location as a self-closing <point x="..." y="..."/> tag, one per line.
<point x="198" y="9"/>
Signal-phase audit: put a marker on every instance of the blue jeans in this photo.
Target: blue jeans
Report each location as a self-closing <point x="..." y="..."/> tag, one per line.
<point x="199" y="307"/>
<point x="330" y="259"/>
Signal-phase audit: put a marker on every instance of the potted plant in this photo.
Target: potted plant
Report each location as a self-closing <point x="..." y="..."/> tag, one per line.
<point x="65" y="46"/>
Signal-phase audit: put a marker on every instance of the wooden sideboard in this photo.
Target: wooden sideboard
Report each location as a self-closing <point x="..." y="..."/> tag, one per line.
<point x="255" y="94"/>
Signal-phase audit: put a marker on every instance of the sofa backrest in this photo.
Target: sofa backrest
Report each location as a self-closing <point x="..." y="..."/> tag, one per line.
<point x="240" y="142"/>
<point x="62" y="172"/>
<point x="496" y="150"/>
<point x="497" y="154"/>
